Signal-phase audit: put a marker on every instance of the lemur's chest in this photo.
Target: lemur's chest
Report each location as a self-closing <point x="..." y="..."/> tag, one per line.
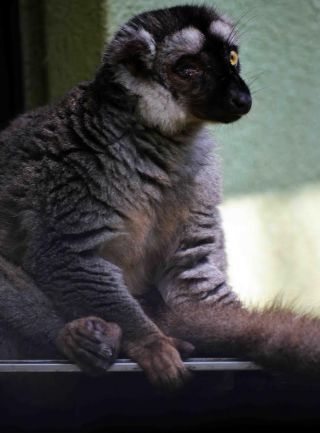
<point x="156" y="204"/>
<point x="148" y="238"/>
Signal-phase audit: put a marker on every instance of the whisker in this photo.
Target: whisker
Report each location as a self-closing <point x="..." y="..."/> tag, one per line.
<point x="244" y="32"/>
<point x="254" y="92"/>
<point x="235" y="34"/>
<point x="244" y="15"/>
<point x="254" y="78"/>
<point x="257" y="73"/>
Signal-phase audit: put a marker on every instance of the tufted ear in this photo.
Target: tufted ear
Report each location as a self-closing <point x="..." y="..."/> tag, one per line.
<point x="134" y="48"/>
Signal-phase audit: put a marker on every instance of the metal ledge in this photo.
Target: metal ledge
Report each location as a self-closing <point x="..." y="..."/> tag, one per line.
<point x="122" y="365"/>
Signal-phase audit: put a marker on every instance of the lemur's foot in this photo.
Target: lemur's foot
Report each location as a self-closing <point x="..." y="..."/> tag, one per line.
<point x="91" y="343"/>
<point x="159" y="357"/>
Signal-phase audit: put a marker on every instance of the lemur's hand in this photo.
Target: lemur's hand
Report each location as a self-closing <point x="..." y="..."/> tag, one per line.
<point x="159" y="357"/>
<point x="91" y="343"/>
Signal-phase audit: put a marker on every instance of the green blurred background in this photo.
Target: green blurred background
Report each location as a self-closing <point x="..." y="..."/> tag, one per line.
<point x="271" y="159"/>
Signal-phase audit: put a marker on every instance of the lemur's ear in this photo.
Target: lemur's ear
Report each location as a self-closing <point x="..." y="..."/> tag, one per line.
<point x="134" y="48"/>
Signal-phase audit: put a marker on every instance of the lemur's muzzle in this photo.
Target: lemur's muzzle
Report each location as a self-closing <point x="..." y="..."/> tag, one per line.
<point x="240" y="102"/>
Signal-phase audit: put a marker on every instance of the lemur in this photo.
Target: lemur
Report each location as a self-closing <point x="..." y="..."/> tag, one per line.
<point x="110" y="232"/>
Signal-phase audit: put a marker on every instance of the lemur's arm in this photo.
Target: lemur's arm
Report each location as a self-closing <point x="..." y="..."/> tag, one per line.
<point x="196" y="270"/>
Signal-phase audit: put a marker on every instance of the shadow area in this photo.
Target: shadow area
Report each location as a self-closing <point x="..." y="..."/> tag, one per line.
<point x="127" y="403"/>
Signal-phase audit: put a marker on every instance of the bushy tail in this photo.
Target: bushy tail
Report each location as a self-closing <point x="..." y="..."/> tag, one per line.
<point x="274" y="338"/>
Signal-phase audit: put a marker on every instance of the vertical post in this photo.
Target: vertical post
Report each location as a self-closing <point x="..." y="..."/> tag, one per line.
<point x="62" y="45"/>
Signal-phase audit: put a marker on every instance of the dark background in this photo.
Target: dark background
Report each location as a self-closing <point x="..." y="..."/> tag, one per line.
<point x="11" y="88"/>
<point x="125" y="402"/>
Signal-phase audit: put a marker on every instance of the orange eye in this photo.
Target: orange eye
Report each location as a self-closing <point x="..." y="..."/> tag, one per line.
<point x="234" y="58"/>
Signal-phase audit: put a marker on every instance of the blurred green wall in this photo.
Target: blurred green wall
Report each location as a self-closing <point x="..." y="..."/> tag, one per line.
<point x="271" y="159"/>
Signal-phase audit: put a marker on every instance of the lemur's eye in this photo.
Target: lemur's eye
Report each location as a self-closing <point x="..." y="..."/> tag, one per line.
<point x="234" y="58"/>
<point x="187" y="69"/>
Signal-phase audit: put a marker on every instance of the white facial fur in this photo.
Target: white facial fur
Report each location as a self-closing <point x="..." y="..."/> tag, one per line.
<point x="186" y="41"/>
<point x="156" y="105"/>
<point x="223" y="29"/>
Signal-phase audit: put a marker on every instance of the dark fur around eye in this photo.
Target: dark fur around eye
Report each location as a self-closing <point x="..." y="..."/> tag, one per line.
<point x="187" y="68"/>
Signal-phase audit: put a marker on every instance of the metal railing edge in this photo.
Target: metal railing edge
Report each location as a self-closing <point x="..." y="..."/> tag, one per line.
<point x="122" y="365"/>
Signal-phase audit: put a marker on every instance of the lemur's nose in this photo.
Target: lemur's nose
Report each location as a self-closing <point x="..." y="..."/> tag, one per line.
<point x="240" y="102"/>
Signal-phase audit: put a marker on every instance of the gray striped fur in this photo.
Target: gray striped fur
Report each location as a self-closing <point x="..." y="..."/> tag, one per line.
<point x="99" y="204"/>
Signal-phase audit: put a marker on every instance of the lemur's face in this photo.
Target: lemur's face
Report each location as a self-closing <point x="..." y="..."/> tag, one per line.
<point x="204" y="73"/>
<point x="183" y="65"/>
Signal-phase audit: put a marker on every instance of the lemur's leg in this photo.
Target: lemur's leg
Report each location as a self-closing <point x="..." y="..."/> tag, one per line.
<point x="30" y="327"/>
<point x="25" y="310"/>
<point x="84" y="284"/>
